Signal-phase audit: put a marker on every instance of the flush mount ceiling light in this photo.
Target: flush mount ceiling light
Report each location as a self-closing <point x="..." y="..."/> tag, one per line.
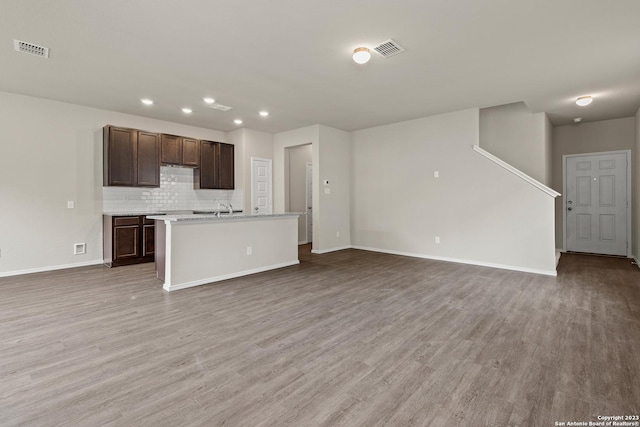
<point x="264" y="113"/>
<point x="187" y="110"/>
<point x="577" y="120"/>
<point x="361" y="55"/>
<point x="237" y="121"/>
<point x="146" y="101"/>
<point x="583" y="101"/>
<point x="209" y="100"/>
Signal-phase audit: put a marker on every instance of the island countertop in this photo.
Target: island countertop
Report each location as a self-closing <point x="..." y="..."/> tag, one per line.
<point x="222" y="218"/>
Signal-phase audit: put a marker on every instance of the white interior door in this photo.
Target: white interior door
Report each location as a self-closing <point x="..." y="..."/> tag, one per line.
<point x="596" y="203"/>
<point x="261" y="193"/>
<point x="309" y="203"/>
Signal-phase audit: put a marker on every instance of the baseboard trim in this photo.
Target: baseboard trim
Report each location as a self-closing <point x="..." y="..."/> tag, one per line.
<point x="303" y="242"/>
<point x="179" y="286"/>
<point x="337" y="248"/>
<point x="558" y="255"/>
<point x="461" y="261"/>
<point x="635" y="258"/>
<point x="50" y="268"/>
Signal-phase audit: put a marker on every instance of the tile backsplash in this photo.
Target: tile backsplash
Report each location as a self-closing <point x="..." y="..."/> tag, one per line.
<point x="176" y="192"/>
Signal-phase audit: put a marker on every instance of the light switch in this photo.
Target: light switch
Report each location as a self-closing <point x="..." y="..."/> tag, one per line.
<point x="436" y="174"/>
<point x="71" y="204"/>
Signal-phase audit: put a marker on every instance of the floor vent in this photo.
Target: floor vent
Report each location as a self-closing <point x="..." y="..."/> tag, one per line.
<point x="219" y="107"/>
<point x="31" y="49"/>
<point x="388" y="48"/>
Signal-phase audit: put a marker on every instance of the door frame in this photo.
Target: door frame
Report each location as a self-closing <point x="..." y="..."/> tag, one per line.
<point x="270" y="161"/>
<point x="627" y="153"/>
<point x="306" y="199"/>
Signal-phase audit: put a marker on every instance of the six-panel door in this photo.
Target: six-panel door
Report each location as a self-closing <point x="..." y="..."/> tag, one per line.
<point x="596" y="204"/>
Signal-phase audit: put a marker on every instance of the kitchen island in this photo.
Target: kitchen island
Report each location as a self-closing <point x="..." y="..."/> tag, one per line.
<point x="193" y="250"/>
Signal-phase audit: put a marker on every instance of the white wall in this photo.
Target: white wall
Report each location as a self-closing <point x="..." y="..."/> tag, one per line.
<point x="50" y="153"/>
<point x="298" y="157"/>
<point x="331" y="159"/>
<point x="482" y="213"/>
<point x="249" y="143"/>
<point x="282" y="141"/>
<point x="548" y="150"/>
<point x="520" y="138"/>
<point x="333" y="211"/>
<point x="605" y="135"/>
<point x="636" y="191"/>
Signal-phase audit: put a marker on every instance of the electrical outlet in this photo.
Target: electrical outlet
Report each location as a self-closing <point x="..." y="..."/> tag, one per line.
<point x="337" y="234"/>
<point x="249" y="250"/>
<point x="79" y="248"/>
<point x="436" y="174"/>
<point x="437" y="239"/>
<point x="71" y="204"/>
<point x="327" y="191"/>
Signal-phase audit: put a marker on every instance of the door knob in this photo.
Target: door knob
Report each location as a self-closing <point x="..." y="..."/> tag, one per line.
<point x="570" y="208"/>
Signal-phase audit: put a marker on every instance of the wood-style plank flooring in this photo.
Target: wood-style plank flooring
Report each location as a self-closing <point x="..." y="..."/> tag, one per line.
<point x="350" y="338"/>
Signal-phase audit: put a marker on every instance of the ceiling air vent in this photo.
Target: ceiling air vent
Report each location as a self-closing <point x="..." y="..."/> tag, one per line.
<point x="219" y="107"/>
<point x="31" y="49"/>
<point x="388" y="48"/>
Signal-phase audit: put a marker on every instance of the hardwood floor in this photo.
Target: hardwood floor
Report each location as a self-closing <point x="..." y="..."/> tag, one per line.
<point x="350" y="338"/>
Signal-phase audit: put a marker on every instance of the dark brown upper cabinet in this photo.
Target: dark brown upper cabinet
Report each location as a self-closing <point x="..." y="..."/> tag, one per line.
<point x="216" y="166"/>
<point x="119" y="156"/>
<point x="179" y="151"/>
<point x="131" y="157"/>
<point x="190" y="152"/>
<point x="170" y="149"/>
<point x="226" y="166"/>
<point x="148" y="159"/>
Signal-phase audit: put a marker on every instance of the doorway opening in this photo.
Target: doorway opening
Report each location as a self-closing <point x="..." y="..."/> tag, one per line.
<point x="597" y="208"/>
<point x="299" y="189"/>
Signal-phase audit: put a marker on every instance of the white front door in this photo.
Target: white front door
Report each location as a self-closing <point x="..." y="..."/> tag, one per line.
<point x="309" y="203"/>
<point x="596" y="203"/>
<point x="261" y="186"/>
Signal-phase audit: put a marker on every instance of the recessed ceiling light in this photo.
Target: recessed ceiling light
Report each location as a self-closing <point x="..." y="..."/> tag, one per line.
<point x="361" y="55"/>
<point x="577" y="120"/>
<point x="264" y="113"/>
<point x="187" y="110"/>
<point x="209" y="100"/>
<point x="583" y="101"/>
<point x="146" y="101"/>
<point x="237" y="121"/>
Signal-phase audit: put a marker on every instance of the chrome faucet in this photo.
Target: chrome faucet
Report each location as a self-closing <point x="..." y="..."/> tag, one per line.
<point x="226" y="205"/>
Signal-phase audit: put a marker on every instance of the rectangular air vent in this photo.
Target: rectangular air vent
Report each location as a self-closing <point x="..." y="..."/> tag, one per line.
<point x="79" y="248"/>
<point x="219" y="107"/>
<point x="31" y="49"/>
<point x="388" y="48"/>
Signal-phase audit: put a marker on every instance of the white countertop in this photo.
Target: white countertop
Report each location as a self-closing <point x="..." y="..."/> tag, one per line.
<point x="165" y="213"/>
<point x="222" y="218"/>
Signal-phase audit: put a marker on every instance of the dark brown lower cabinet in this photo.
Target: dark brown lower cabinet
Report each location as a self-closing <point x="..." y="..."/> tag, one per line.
<point x="128" y="240"/>
<point x="148" y="237"/>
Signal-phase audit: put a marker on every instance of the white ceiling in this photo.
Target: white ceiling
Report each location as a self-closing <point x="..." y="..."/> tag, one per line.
<point x="292" y="58"/>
